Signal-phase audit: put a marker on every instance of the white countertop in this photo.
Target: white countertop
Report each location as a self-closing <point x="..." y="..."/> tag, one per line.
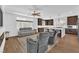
<point x="72" y="27"/>
<point x="50" y="27"/>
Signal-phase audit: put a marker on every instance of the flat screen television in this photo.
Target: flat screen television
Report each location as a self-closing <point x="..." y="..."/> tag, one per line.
<point x="1" y="17"/>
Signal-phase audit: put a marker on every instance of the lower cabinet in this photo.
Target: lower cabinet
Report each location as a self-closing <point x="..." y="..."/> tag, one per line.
<point x="59" y="35"/>
<point x="71" y="31"/>
<point x="40" y="29"/>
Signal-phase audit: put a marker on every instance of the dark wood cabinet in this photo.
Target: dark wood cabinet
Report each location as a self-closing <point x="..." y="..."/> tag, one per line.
<point x="71" y="31"/>
<point x="39" y="21"/>
<point x="72" y="20"/>
<point x="59" y="35"/>
<point x="49" y="22"/>
<point x="40" y="29"/>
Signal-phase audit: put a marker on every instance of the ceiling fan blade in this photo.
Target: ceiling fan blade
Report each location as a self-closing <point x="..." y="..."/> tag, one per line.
<point x="36" y="14"/>
<point x="34" y="10"/>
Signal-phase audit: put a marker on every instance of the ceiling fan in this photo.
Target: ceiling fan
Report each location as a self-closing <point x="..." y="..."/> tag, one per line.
<point x="35" y="13"/>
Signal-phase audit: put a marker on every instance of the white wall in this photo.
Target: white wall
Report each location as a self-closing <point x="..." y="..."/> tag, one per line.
<point x="35" y="23"/>
<point x="1" y="27"/>
<point x="9" y="23"/>
<point x="60" y="22"/>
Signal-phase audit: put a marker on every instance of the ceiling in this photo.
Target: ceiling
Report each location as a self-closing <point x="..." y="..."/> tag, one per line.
<point x="46" y="10"/>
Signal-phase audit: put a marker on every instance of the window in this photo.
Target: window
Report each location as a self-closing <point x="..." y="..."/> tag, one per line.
<point x="23" y="24"/>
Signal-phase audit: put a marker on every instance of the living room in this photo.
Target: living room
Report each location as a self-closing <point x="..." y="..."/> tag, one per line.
<point x="23" y="21"/>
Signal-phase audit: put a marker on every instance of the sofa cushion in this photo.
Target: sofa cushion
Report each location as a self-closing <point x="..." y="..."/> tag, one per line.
<point x="26" y="31"/>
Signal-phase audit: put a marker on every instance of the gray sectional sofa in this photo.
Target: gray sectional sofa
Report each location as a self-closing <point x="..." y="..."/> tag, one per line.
<point x="26" y="31"/>
<point x="37" y="43"/>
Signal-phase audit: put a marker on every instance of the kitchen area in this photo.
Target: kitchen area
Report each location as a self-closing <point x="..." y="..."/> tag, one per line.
<point x="67" y="26"/>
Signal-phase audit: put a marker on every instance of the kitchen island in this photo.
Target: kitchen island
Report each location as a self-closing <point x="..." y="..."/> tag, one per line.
<point x="62" y="29"/>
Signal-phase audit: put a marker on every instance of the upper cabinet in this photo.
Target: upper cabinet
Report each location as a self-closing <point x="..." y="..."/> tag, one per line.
<point x="49" y="22"/>
<point x="72" y="20"/>
<point x="39" y="21"/>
